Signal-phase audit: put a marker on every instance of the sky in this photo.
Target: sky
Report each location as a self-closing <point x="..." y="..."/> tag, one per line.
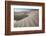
<point x="22" y="9"/>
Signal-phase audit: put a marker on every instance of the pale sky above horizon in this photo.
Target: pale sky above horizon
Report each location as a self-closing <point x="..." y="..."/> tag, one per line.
<point x="22" y="9"/>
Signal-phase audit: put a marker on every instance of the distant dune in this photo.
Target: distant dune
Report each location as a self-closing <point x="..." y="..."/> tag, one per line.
<point x="30" y="21"/>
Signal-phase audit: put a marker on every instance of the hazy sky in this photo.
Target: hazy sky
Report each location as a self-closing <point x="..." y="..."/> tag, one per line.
<point x="23" y="9"/>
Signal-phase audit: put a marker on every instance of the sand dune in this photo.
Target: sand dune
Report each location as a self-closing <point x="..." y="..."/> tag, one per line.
<point x="28" y="21"/>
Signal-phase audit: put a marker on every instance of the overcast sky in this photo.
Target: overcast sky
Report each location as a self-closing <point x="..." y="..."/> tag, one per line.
<point x="21" y="9"/>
